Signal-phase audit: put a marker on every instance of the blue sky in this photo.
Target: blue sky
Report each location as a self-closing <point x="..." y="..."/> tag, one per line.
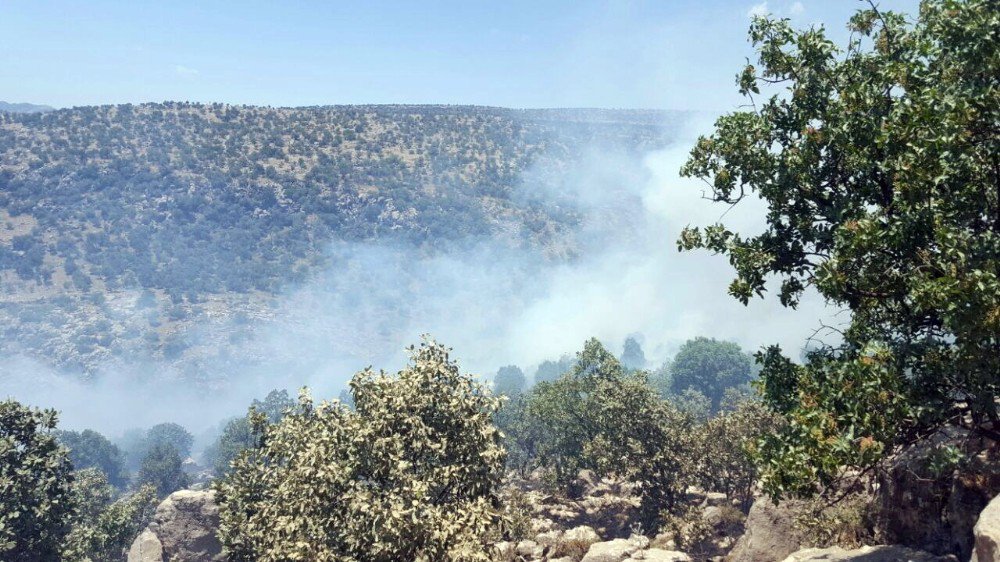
<point x="674" y="54"/>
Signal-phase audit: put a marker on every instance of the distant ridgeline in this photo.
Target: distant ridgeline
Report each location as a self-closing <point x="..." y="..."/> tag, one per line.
<point x="24" y="108"/>
<point x="187" y="200"/>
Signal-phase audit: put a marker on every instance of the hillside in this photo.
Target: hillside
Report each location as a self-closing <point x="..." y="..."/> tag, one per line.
<point x="187" y="205"/>
<point x="24" y="107"/>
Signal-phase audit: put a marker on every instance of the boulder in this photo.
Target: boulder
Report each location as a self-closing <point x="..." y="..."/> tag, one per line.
<point x="575" y="542"/>
<point x="611" y="551"/>
<point x="770" y="533"/>
<point x="660" y="555"/>
<point x="987" y="534"/>
<point x="185" y="527"/>
<point x="866" y="554"/>
<point x="926" y="508"/>
<point x="146" y="548"/>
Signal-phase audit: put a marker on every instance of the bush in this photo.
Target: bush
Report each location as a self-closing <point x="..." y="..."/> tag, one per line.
<point x="411" y="474"/>
<point x="35" y="480"/>
<point x="103" y="529"/>
<point x="162" y="468"/>
<point x="601" y="417"/>
<point x="725" y="445"/>
<point x="91" y="449"/>
<point x="238" y="434"/>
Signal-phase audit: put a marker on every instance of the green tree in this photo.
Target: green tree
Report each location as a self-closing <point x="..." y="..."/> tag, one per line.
<point x="632" y="355"/>
<point x="549" y="371"/>
<point x="411" y="473"/>
<point x="162" y="467"/>
<point x="879" y="163"/>
<point x="89" y="448"/>
<point x="102" y="527"/>
<point x="238" y="433"/>
<point x="35" y="484"/>
<point x="170" y="434"/>
<point x="509" y="381"/>
<point x="602" y="417"/>
<point x="710" y="367"/>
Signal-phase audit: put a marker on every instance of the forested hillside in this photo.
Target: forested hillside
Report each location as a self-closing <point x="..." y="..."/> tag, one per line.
<point x="189" y="202"/>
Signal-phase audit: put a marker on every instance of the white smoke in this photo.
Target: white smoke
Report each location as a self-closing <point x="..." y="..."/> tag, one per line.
<point x="494" y="305"/>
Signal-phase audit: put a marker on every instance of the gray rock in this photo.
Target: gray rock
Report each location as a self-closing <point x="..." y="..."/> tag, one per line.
<point x="185" y="526"/>
<point x="660" y="555"/>
<point x="987" y="534"/>
<point x="937" y="512"/>
<point x="611" y="551"/>
<point x="770" y="535"/>
<point x="146" y="548"/>
<point x="866" y="554"/>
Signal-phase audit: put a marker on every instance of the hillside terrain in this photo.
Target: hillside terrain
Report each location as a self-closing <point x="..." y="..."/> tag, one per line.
<point x="24" y="107"/>
<point x="181" y="210"/>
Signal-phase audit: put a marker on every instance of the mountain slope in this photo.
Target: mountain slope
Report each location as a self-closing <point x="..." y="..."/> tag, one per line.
<point x="24" y="108"/>
<point x="194" y="203"/>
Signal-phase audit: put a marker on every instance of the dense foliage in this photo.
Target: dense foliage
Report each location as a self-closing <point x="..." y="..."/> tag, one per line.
<point x="880" y="166"/>
<point x="238" y="434"/>
<point x="509" y="381"/>
<point x="411" y="473"/>
<point x="603" y="417"/>
<point x="707" y="366"/>
<point x="163" y="469"/>
<point x="103" y="527"/>
<point x="35" y="485"/>
<point x="90" y="449"/>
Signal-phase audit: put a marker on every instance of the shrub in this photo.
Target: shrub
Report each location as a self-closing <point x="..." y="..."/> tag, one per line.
<point x="89" y="448"/>
<point x="103" y="529"/>
<point x="162" y="468"/>
<point x="410" y="474"/>
<point x="600" y="416"/>
<point x="35" y="480"/>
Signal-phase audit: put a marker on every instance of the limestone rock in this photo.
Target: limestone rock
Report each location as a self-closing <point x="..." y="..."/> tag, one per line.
<point x="937" y="512"/>
<point x="770" y="534"/>
<point x="185" y="526"/>
<point x="611" y="551"/>
<point x="987" y="534"/>
<point x="660" y="555"/>
<point x="146" y="548"/>
<point x="866" y="554"/>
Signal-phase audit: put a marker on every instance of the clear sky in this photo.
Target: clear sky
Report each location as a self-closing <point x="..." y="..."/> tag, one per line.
<point x="674" y="54"/>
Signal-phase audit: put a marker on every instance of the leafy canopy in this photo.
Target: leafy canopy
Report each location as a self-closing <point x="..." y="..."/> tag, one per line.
<point x="162" y="468"/>
<point x="509" y="381"/>
<point x="35" y="484"/>
<point x="603" y="417"/>
<point x="90" y="449"/>
<point x="411" y="473"/>
<point x="879" y="162"/>
<point x="710" y="367"/>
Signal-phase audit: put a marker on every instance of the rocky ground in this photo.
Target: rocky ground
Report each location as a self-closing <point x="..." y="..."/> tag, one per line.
<point x="599" y="523"/>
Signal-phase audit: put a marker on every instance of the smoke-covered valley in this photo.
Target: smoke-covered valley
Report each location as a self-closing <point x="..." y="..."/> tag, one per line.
<point x="614" y="272"/>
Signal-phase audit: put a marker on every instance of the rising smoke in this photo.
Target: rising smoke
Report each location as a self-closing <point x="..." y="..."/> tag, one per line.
<point x="493" y="304"/>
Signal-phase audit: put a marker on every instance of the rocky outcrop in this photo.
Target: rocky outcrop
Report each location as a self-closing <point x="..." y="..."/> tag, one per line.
<point x="633" y="548"/>
<point x="146" y="548"/>
<point x="866" y="554"/>
<point x="987" y="534"/>
<point x="183" y="529"/>
<point x="770" y="535"/>
<point x="926" y="506"/>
